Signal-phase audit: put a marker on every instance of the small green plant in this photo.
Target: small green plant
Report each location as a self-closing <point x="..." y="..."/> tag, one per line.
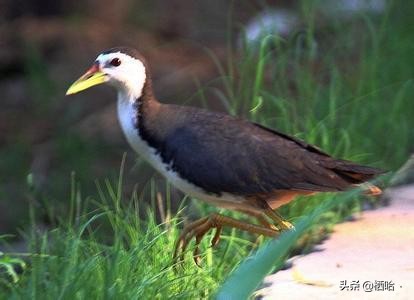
<point x="8" y="266"/>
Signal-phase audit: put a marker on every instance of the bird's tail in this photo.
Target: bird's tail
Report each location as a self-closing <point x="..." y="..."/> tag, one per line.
<point x="370" y="189"/>
<point x="358" y="175"/>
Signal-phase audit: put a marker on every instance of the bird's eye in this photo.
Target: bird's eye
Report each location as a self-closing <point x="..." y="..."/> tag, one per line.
<point x="115" y="62"/>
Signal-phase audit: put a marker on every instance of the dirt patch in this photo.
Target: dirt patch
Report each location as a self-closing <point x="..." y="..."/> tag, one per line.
<point x="369" y="258"/>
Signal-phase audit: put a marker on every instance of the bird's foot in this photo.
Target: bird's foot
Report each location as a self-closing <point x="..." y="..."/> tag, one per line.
<point x="279" y="220"/>
<point x="286" y="225"/>
<point x="198" y="229"/>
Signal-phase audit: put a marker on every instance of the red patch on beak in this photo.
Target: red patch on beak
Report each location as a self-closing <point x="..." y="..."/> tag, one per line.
<point x="92" y="70"/>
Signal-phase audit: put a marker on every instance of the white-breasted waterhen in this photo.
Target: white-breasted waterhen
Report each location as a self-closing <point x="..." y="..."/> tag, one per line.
<point x="224" y="160"/>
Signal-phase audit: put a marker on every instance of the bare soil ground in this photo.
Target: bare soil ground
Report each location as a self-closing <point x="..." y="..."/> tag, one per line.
<point x="369" y="258"/>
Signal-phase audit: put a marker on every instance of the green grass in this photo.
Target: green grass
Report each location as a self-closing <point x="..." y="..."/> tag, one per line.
<point x="346" y="87"/>
<point x="131" y="260"/>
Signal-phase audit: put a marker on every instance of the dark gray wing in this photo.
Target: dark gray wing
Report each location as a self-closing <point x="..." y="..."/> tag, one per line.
<point x="220" y="153"/>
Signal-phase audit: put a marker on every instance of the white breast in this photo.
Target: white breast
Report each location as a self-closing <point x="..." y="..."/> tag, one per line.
<point x="127" y="118"/>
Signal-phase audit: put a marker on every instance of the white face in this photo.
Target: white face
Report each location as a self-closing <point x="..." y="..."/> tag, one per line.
<point x="126" y="73"/>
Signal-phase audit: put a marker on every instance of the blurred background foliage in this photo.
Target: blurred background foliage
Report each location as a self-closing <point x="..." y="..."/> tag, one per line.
<point x="336" y="73"/>
<point x="45" y="45"/>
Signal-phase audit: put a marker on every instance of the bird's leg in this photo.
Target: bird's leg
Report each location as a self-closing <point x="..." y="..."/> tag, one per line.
<point x="182" y="241"/>
<point x="260" y="217"/>
<point x="262" y="220"/>
<point x="200" y="227"/>
<point x="278" y="219"/>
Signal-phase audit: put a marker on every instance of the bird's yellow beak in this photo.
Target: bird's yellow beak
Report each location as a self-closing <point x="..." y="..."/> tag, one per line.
<point x="93" y="76"/>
